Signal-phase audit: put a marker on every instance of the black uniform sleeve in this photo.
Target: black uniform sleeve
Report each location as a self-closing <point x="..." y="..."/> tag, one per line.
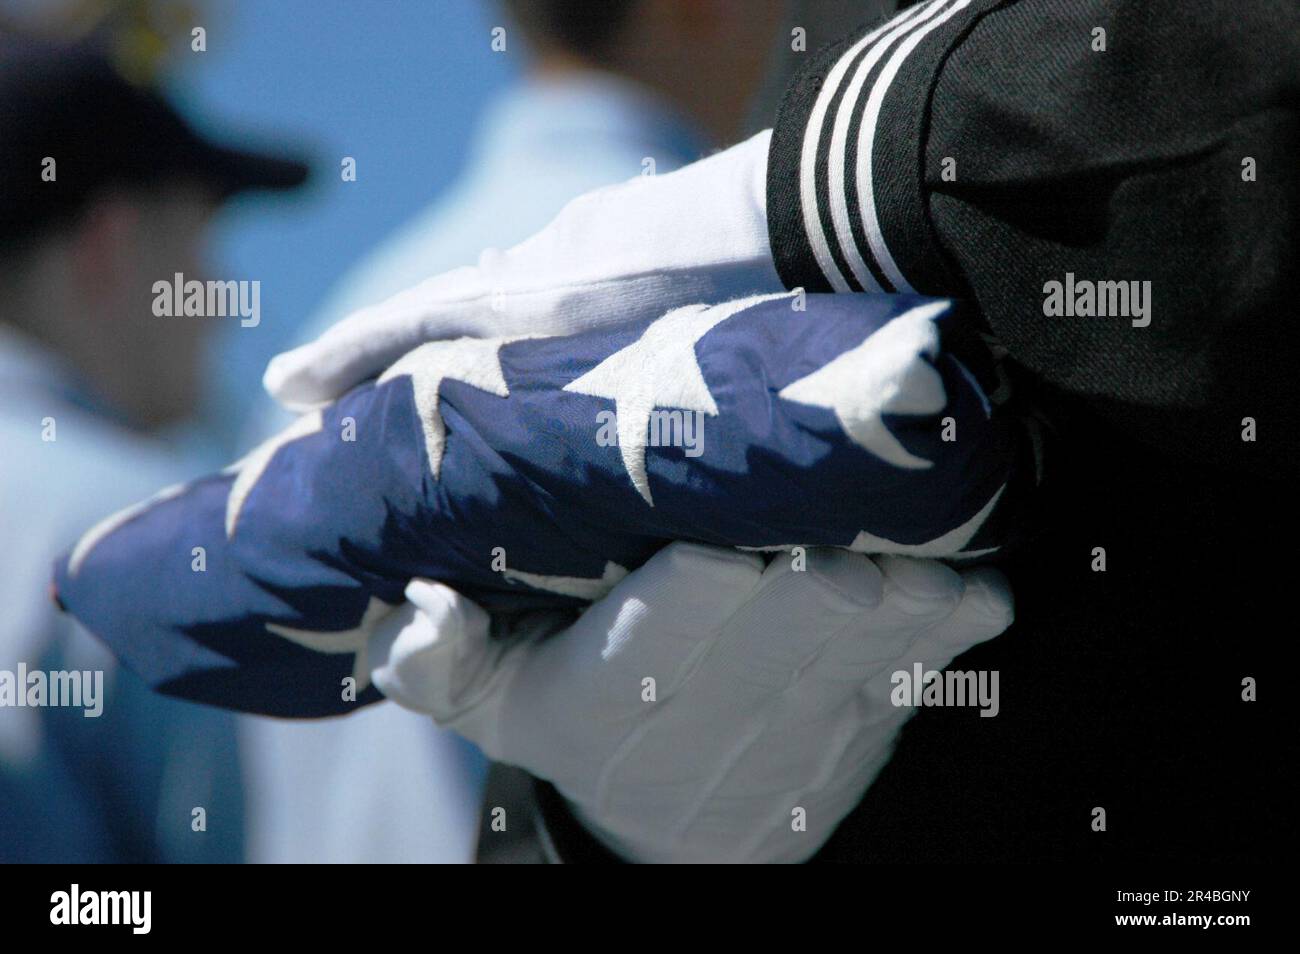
<point x="1112" y="181"/>
<point x="845" y="184"/>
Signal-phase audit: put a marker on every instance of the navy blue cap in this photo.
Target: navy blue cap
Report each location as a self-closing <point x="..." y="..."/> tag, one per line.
<point x="69" y="103"/>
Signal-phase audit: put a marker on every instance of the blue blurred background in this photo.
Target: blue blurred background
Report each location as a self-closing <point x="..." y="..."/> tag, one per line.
<point x="395" y="84"/>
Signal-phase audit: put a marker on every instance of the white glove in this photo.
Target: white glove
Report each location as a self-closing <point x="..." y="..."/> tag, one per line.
<point x="771" y="691"/>
<point x="619" y="254"/>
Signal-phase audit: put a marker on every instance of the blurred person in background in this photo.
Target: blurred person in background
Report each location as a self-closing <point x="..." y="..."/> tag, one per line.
<point x="613" y="89"/>
<point x="107" y="192"/>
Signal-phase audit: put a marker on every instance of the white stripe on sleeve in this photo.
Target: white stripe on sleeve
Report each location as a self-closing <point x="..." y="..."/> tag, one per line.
<point x="867" y="139"/>
<point x="838" y="192"/>
<point x="808" y="157"/>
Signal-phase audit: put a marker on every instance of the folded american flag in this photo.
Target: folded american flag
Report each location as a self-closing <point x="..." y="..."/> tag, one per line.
<point x="534" y="473"/>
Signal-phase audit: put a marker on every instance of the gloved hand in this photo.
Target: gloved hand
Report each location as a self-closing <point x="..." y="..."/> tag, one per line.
<point x="618" y="254"/>
<point x="770" y="690"/>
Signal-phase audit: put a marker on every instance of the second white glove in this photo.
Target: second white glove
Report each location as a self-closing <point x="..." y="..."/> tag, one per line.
<point x="692" y="713"/>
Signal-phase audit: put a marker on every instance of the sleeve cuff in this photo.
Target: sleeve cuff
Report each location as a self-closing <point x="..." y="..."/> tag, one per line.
<point x="845" y="194"/>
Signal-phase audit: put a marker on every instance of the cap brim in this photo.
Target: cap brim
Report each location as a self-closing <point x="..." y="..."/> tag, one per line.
<point x="176" y="146"/>
<point x="237" y="170"/>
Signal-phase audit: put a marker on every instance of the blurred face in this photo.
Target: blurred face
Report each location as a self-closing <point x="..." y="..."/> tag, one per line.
<point x="708" y="56"/>
<point x="745" y="46"/>
<point x="171" y="239"/>
<point x="150" y="365"/>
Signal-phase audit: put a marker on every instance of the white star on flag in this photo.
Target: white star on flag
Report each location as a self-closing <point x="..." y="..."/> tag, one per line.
<point x="248" y="469"/>
<point x="947" y="545"/>
<point x="473" y="361"/>
<point x="106" y="526"/>
<point x="585" y="588"/>
<point x="881" y="375"/>
<point x="658" y="370"/>
<point x="352" y="640"/>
